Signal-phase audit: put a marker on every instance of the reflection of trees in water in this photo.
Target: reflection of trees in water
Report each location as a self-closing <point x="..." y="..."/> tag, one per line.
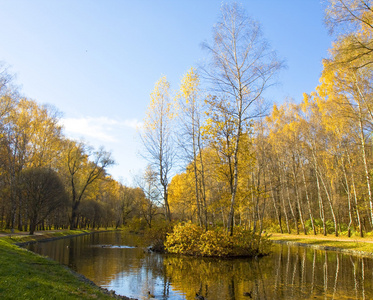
<point x="289" y="273"/>
<point x="308" y="273"/>
<point x="215" y="278"/>
<point x="292" y="273"/>
<point x="358" y="268"/>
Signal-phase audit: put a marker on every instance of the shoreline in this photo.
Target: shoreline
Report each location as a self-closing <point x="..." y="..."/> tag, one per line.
<point x="55" y="238"/>
<point x="325" y="248"/>
<point x="345" y="245"/>
<point x="46" y="236"/>
<point x="356" y="246"/>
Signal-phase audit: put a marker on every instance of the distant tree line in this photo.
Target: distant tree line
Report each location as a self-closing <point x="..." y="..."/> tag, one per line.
<point x="48" y="181"/>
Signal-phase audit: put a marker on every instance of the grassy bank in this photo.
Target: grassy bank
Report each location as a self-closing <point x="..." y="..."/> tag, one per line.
<point x="352" y="244"/>
<point x="25" y="275"/>
<point x="22" y="237"/>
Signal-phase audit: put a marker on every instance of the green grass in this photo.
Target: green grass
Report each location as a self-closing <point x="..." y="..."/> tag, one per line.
<point x="25" y="275"/>
<point x="353" y="243"/>
<point x="22" y="237"/>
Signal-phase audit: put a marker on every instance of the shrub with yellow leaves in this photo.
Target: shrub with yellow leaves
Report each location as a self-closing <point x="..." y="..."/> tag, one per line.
<point x="190" y="239"/>
<point x="184" y="239"/>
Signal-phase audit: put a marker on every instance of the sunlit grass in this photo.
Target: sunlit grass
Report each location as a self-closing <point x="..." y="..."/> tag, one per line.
<point x="21" y="237"/>
<point x="350" y="243"/>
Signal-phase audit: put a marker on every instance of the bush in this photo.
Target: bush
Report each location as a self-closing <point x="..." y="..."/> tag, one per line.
<point x="247" y="243"/>
<point x="214" y="243"/>
<point x="156" y="235"/>
<point x="184" y="239"/>
<point x="275" y="228"/>
<point x="136" y="225"/>
<point x="319" y="226"/>
<point x="190" y="239"/>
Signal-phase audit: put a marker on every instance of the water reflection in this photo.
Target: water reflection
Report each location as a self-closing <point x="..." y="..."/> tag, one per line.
<point x="289" y="273"/>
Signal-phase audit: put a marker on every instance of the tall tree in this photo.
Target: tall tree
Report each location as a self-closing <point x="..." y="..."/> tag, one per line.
<point x="353" y="21"/>
<point x="351" y="91"/>
<point x="43" y="192"/>
<point x="242" y="65"/>
<point x="190" y="140"/>
<point x="30" y="136"/>
<point x="84" y="166"/>
<point x="157" y="137"/>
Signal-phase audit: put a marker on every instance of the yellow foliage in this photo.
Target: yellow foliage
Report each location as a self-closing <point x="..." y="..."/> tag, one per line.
<point x="160" y="109"/>
<point x="189" y="86"/>
<point x="190" y="239"/>
<point x="184" y="239"/>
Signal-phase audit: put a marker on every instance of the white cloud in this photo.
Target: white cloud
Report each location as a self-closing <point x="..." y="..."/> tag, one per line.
<point x="133" y="123"/>
<point x="102" y="128"/>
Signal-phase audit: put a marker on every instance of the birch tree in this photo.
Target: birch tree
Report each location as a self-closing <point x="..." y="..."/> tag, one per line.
<point x="157" y="138"/>
<point x="190" y="136"/>
<point x="353" y="21"/>
<point x="241" y="67"/>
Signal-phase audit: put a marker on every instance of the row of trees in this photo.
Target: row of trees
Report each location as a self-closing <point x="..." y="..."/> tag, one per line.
<point x="305" y="166"/>
<point x="50" y="181"/>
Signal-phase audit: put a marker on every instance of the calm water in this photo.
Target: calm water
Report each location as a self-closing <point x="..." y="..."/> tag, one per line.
<point x="113" y="261"/>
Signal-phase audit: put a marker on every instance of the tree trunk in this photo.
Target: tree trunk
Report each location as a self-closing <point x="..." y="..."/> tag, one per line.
<point x="347" y="189"/>
<point x="203" y="183"/>
<point x="366" y="168"/>
<point x="298" y="200"/>
<point x="308" y="201"/>
<point x="292" y="210"/>
<point x="167" y="207"/>
<point x="275" y="205"/>
<point x="32" y="228"/>
<point x="283" y="202"/>
<point x="355" y="196"/>
<point x="321" y="202"/>
<point x="328" y="196"/>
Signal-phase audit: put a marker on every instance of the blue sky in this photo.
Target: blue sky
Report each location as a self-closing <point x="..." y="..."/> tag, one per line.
<point x="97" y="61"/>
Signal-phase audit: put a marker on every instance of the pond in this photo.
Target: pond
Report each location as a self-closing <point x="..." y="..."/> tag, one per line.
<point x="113" y="260"/>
